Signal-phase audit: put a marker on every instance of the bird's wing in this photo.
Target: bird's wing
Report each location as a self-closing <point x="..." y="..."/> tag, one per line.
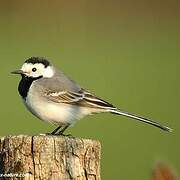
<point x="82" y="98"/>
<point x="64" y="97"/>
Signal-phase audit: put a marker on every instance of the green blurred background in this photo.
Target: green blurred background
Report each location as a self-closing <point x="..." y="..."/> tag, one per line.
<point x="125" y="51"/>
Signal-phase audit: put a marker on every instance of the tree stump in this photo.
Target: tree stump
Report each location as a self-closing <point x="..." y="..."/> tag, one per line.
<point x="49" y="157"/>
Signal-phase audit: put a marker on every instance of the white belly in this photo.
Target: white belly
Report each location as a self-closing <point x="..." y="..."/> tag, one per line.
<point x="55" y="113"/>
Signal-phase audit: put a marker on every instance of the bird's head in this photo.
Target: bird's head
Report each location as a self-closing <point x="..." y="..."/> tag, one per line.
<point x="36" y="67"/>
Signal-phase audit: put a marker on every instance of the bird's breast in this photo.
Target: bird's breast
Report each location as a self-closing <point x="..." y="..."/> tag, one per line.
<point x="55" y="113"/>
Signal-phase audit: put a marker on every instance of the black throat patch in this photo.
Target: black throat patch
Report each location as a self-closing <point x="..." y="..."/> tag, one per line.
<point x="25" y="84"/>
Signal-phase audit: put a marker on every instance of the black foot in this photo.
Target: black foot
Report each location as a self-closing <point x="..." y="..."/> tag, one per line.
<point x="61" y="133"/>
<point x="65" y="135"/>
<point x="55" y="131"/>
<point x="49" y="134"/>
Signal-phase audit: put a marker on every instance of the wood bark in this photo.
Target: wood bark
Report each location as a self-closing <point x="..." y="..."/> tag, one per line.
<point x="49" y="157"/>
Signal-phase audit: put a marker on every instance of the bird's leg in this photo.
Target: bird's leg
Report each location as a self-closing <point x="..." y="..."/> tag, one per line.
<point x="55" y="131"/>
<point x="62" y="130"/>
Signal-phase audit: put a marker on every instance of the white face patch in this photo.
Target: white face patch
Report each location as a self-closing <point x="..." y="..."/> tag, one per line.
<point x="48" y="72"/>
<point x="37" y="70"/>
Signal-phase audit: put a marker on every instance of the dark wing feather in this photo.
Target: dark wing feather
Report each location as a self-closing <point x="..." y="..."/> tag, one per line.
<point x="82" y="98"/>
<point x="64" y="97"/>
<point x="95" y="101"/>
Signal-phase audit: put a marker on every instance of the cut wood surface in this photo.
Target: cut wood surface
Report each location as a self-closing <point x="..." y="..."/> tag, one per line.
<point x="49" y="157"/>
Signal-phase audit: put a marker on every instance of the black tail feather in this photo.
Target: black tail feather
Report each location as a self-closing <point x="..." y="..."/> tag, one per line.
<point x="142" y="119"/>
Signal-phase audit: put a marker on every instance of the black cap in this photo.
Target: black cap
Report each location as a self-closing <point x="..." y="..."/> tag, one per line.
<point x="34" y="60"/>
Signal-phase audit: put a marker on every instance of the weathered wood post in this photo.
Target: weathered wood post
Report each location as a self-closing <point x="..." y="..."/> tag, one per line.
<point x="49" y="157"/>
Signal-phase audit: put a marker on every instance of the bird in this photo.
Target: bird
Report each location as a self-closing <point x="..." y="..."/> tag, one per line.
<point x="55" y="98"/>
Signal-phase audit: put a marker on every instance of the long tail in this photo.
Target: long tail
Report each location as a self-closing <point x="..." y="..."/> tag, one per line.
<point x="139" y="118"/>
<point x="95" y="102"/>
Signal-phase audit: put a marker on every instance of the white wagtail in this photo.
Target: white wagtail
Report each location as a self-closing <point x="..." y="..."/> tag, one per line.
<point x="53" y="97"/>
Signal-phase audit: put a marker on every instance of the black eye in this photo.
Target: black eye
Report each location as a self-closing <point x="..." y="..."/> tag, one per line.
<point x="34" y="69"/>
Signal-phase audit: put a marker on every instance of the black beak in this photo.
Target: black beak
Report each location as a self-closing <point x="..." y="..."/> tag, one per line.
<point x="17" y="72"/>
